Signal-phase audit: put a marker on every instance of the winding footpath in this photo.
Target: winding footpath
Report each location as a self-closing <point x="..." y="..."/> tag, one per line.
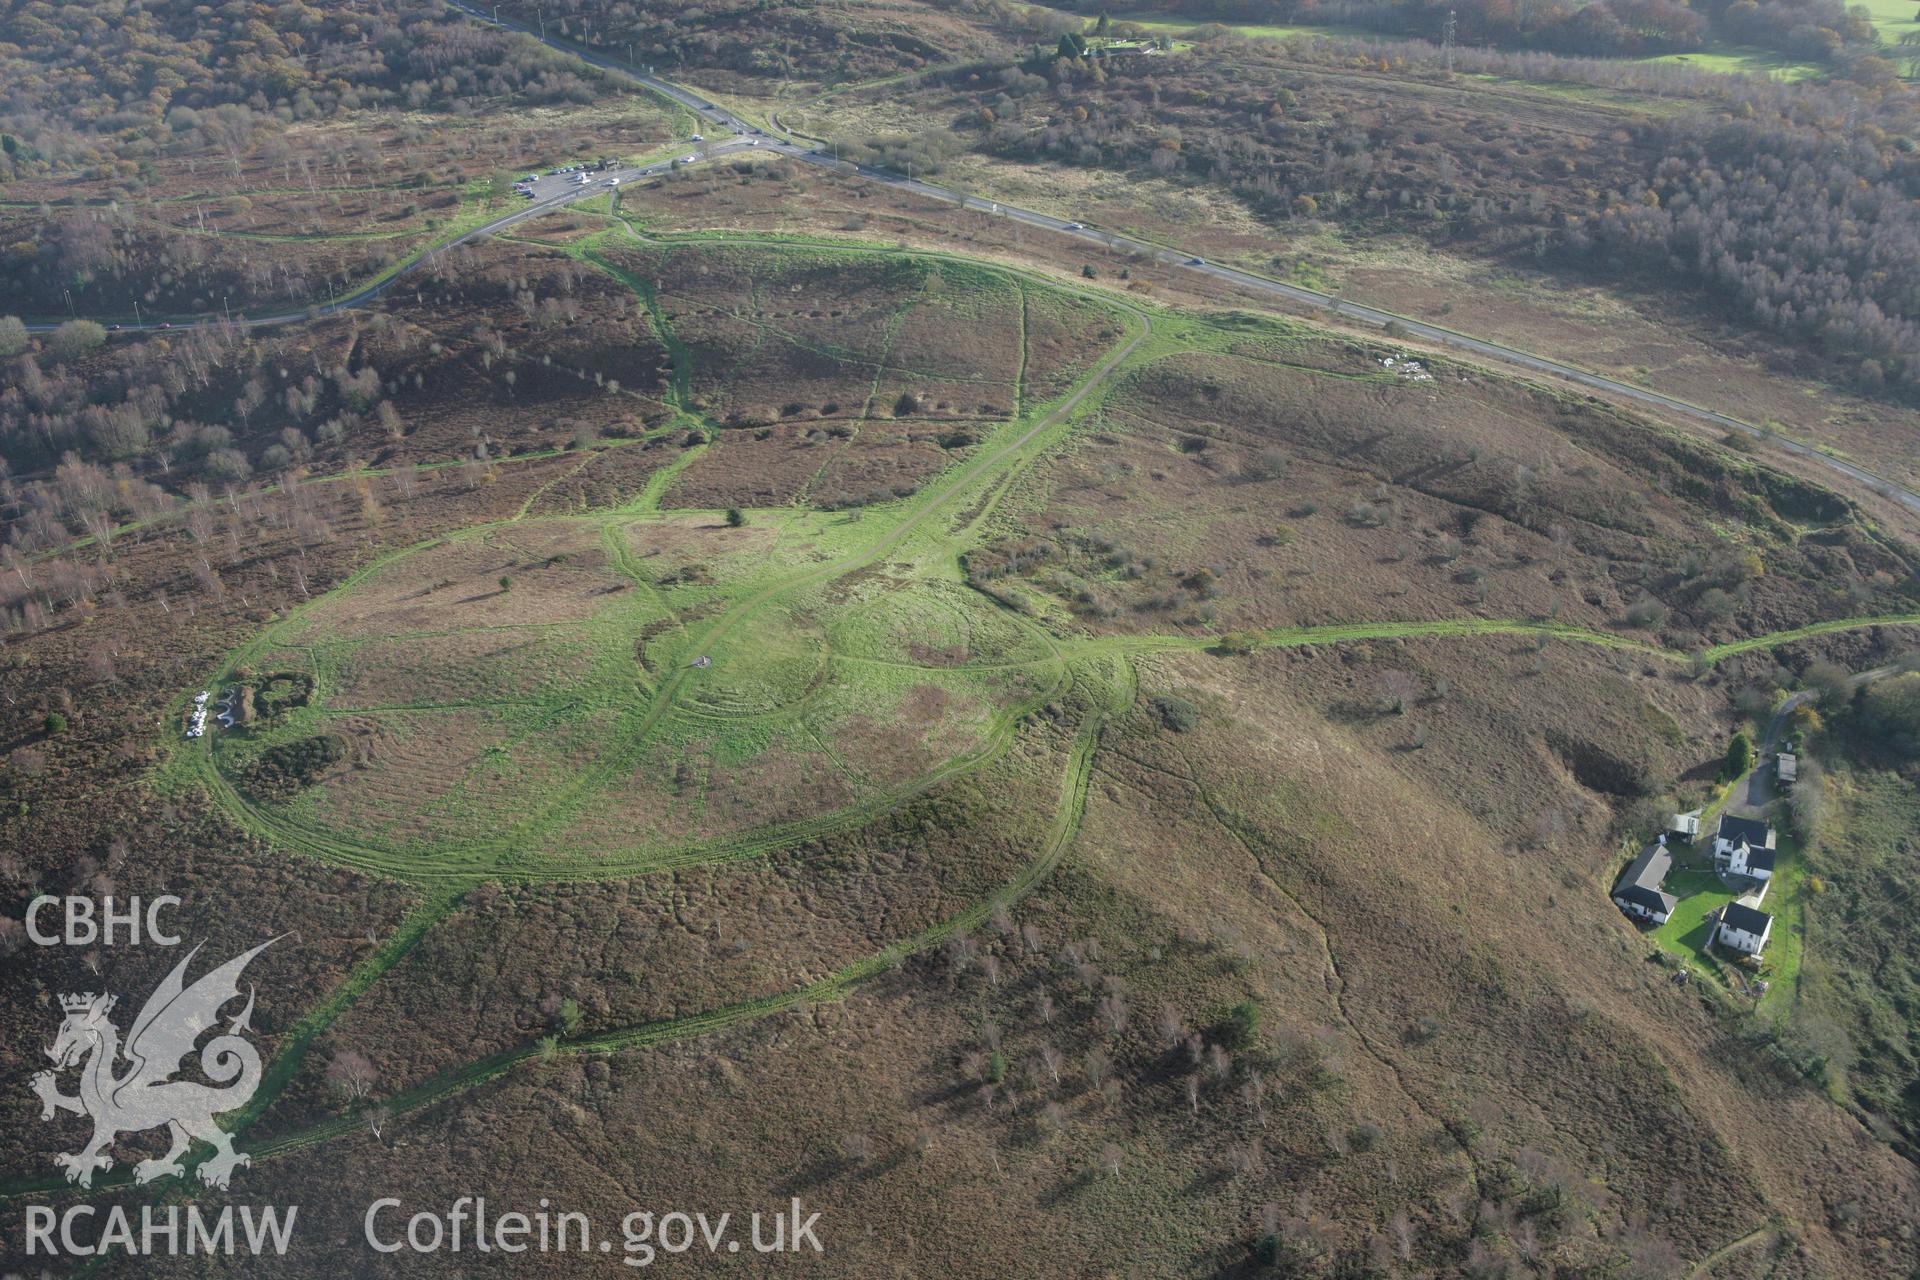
<point x="1103" y="666"/>
<point x="747" y="136"/>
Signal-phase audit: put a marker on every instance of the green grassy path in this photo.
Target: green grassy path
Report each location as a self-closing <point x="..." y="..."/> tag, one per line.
<point x="1009" y="449"/>
<point x="1070" y="809"/>
<point x="915" y="535"/>
<point x="1775" y="639"/>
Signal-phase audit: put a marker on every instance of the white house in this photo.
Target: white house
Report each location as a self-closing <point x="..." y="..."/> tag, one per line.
<point x="1685" y="825"/>
<point x="1743" y="929"/>
<point x="1638" y="891"/>
<point x="1737" y="831"/>
<point x="1745" y="860"/>
<point x="1744" y="847"/>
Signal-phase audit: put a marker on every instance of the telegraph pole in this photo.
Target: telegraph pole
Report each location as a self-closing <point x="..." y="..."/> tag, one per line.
<point x="1447" y="35"/>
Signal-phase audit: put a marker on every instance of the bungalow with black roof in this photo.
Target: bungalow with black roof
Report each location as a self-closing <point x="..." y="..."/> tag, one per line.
<point x="1742" y="928"/>
<point x="1638" y="891"/>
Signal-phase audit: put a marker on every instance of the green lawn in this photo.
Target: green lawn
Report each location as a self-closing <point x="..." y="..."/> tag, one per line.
<point x="1700" y="891"/>
<point x="1281" y="32"/>
<point x="1894" y="19"/>
<point x="1740" y="60"/>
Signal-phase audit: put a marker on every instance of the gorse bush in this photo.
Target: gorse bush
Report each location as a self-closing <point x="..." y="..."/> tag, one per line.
<point x="1176" y="714"/>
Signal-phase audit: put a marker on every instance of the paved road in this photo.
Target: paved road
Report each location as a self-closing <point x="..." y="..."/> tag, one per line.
<point x="1761" y="788"/>
<point x="745" y="136"/>
<point x="725" y="119"/>
<point x="1761" y="784"/>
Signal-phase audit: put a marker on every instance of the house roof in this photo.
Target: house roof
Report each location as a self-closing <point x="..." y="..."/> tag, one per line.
<point x="1639" y="895"/>
<point x="1759" y="859"/>
<point x="1646" y="872"/>
<point x="1744" y="918"/>
<point x="1754" y="831"/>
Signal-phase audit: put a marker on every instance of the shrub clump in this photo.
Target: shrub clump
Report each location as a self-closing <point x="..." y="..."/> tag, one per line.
<point x="291" y="766"/>
<point x="1243" y="1025"/>
<point x="1176" y="714"/>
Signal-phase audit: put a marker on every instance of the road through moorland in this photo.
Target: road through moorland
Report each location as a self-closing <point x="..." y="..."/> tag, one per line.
<point x="746" y="136"/>
<point x="1433" y="333"/>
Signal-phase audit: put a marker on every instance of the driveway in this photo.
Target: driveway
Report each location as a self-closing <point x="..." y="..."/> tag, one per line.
<point x="1762" y="787"/>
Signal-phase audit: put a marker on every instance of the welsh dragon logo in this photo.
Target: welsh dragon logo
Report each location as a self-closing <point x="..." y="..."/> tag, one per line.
<point x="144" y="1095"/>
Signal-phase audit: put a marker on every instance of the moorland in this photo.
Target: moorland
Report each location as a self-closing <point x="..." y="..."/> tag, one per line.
<point x="763" y="684"/>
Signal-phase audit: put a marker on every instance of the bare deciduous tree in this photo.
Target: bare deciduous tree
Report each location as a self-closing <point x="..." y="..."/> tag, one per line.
<point x="351" y="1074"/>
<point x="1050" y="1062"/>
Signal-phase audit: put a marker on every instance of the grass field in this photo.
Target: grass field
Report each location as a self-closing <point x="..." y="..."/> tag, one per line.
<point x="1893" y="19"/>
<point x="1733" y="60"/>
<point x="1897" y="21"/>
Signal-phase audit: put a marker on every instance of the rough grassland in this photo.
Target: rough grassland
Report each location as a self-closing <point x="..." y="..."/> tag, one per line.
<point x="800" y="749"/>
